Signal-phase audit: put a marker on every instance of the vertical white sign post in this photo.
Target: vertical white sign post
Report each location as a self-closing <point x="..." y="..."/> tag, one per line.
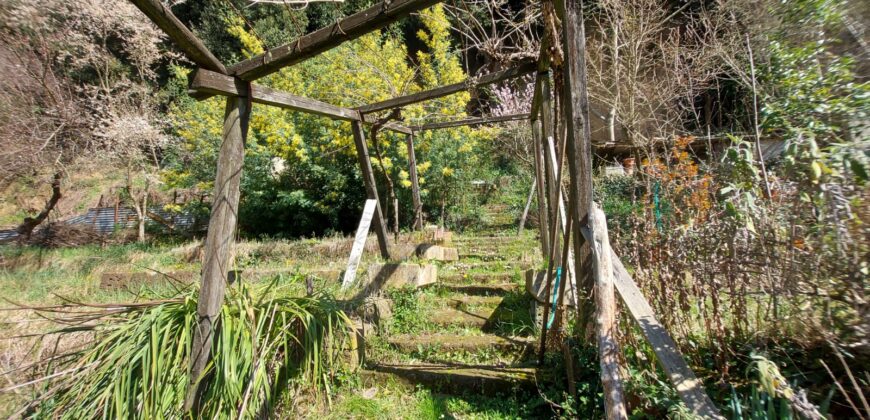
<point x="359" y="242"/>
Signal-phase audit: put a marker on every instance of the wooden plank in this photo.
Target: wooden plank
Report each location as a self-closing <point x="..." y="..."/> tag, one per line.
<point x="470" y="122"/>
<point x="553" y="259"/>
<point x="415" y="185"/>
<point x="321" y="40"/>
<point x="608" y="349"/>
<point x="365" y="163"/>
<point x="218" y="245"/>
<point x="359" y="243"/>
<point x="688" y="386"/>
<point x="442" y="91"/>
<point x="526" y="209"/>
<point x="563" y="218"/>
<point x="213" y="83"/>
<point x="183" y="38"/>
<point x="551" y="182"/>
<point x="543" y="217"/>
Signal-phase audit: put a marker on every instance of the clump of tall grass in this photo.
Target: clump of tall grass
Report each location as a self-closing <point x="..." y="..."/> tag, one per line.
<point x="136" y="365"/>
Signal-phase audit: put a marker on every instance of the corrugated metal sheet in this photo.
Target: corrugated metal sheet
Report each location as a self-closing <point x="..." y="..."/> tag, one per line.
<point x="105" y="221"/>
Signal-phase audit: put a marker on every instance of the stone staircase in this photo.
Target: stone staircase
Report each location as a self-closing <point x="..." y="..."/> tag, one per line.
<point x="472" y="331"/>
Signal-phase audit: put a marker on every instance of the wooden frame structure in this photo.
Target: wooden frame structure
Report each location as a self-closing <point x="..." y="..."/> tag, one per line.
<point x="560" y="132"/>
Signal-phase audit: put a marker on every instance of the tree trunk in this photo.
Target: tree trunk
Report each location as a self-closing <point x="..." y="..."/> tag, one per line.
<point x="30" y="223"/>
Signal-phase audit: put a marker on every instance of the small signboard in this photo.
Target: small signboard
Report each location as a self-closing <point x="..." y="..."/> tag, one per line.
<point x="359" y="243"/>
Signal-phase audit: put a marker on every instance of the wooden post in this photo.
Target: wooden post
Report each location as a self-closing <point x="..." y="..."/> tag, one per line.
<point x="219" y="241"/>
<point x="608" y="349"/>
<point x="543" y="218"/>
<point x="365" y="163"/>
<point x="415" y="186"/>
<point x="575" y="104"/>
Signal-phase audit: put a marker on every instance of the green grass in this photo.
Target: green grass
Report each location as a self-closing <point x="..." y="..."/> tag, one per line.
<point x="393" y="401"/>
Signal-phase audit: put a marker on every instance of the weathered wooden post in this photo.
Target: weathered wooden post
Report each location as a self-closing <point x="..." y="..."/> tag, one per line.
<point x="575" y="103"/>
<point x="579" y="148"/>
<point x="605" y="299"/>
<point x="365" y="163"/>
<point x="219" y="241"/>
<point x="415" y="186"/>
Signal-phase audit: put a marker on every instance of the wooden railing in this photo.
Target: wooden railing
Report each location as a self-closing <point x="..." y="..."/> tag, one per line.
<point x="610" y="274"/>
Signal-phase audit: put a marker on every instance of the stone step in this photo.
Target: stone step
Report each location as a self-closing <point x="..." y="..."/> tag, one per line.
<point x="481" y="289"/>
<point x="460" y="301"/>
<point x="486" y="239"/>
<point x="452" y="342"/>
<point x="467" y="265"/>
<point x="483" y="257"/>
<point x="464" y="318"/>
<point x="473" y="279"/>
<point x="455" y="379"/>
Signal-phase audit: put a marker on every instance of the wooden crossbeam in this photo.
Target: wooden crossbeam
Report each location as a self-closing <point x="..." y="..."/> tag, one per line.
<point x="442" y="91"/>
<point x="470" y="122"/>
<point x="213" y="83"/>
<point x="192" y="47"/>
<point x="324" y="39"/>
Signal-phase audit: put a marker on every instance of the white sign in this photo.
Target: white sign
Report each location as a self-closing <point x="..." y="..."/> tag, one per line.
<point x="359" y="243"/>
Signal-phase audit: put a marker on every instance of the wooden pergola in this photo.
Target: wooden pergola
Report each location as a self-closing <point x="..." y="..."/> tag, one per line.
<point x="580" y="225"/>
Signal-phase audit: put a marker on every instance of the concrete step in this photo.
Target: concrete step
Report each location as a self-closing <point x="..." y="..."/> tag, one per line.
<point x="481" y="289"/>
<point x="460" y="301"/>
<point x="473" y="279"/>
<point x="454" y="378"/>
<point x="452" y="342"/>
<point x="485" y="318"/>
<point x="485" y="265"/>
<point x="464" y="318"/>
<point x="485" y="239"/>
<point x="483" y="256"/>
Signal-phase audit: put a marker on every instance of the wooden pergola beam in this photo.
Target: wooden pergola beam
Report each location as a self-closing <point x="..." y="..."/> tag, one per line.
<point x="324" y="39"/>
<point x="470" y="122"/>
<point x="442" y="91"/>
<point x="213" y="83"/>
<point x="192" y="46"/>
